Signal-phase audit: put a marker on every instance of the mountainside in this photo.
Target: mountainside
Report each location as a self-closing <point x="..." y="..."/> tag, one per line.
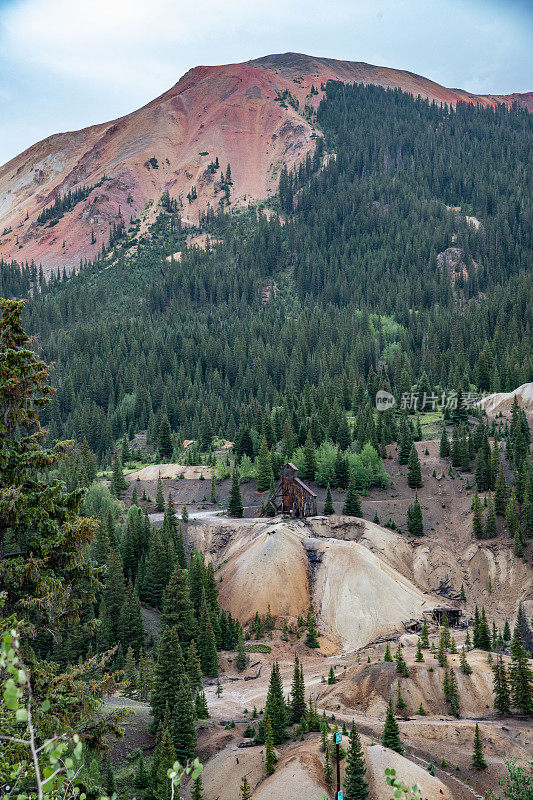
<point x="255" y="116"/>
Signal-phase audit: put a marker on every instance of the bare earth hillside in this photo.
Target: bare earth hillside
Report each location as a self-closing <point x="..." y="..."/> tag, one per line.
<point x="233" y="112"/>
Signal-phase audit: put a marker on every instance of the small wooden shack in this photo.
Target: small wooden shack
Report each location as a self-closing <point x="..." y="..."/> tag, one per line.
<point x="292" y="496"/>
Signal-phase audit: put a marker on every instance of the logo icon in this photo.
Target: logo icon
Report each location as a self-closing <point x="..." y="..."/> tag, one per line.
<point x="384" y="400"/>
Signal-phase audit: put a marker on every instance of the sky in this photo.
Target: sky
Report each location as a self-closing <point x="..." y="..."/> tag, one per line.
<point x="66" y="64"/>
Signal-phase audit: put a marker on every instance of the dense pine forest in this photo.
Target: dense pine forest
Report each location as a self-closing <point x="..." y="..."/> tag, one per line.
<point x="356" y="289"/>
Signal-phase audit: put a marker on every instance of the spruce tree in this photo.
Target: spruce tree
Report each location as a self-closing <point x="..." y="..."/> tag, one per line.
<point x="207" y="649"/>
<point x="159" y="497"/>
<point x="477" y="517"/>
<point x="235" y="508"/>
<point x="520" y="676"/>
<point x="200" y="702"/>
<point x="183" y="730"/>
<point x="465" y="666"/>
<point x="167" y="674"/>
<point x="309" y="459"/>
<point x="478" y="761"/>
<point x="328" y="768"/>
<point x="444" y="449"/>
<point x="263" y="467"/>
<point x="193" y="668"/>
<point x="298" y="705"/>
<point x="388" y="655"/>
<point x="130" y="672"/>
<point x="453" y="694"/>
<point x="130" y="624"/>
<point x="164" y="758"/>
<point x="270" y="755"/>
<point x="311" y="639"/>
<point x="502" y="698"/>
<point x="414" y="473"/>
<point x="176" y="607"/>
<point x="118" y="482"/>
<point x="500" y="493"/>
<point x="419" y="654"/>
<point x="490" y="521"/>
<point x="401" y="666"/>
<point x="405" y="441"/>
<point x="352" y="503"/>
<point x="328" y="504"/>
<point x="246" y="793"/>
<point x="391" y="732"/>
<point x="197" y="789"/>
<point x="275" y="706"/>
<point x="415" y="520"/>
<point x="401" y="705"/>
<point x="166" y="445"/>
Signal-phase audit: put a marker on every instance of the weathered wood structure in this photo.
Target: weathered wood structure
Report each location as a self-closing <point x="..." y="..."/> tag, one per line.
<point x="292" y="496"/>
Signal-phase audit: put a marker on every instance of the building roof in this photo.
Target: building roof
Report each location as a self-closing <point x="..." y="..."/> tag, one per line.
<point x="304" y="486"/>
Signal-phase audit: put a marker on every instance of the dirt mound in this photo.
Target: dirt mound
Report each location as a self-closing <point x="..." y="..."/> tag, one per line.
<point x="366" y="687"/>
<point x="359" y="596"/>
<point x="356" y="594"/>
<point x="265" y="565"/>
<point x="378" y="758"/>
<point x="503" y="401"/>
<point x="152" y="472"/>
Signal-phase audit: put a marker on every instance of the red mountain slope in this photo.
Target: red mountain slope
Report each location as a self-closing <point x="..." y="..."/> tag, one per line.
<point x="227" y="112"/>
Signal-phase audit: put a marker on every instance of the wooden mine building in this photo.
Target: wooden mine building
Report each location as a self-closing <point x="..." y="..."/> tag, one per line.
<point x="292" y="496"/>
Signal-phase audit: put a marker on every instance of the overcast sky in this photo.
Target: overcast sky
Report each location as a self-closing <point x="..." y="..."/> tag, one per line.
<point x="65" y="64"/>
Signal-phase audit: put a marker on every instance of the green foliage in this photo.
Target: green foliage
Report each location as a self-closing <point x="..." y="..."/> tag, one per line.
<point x="391" y="732"/>
<point x="478" y="760"/>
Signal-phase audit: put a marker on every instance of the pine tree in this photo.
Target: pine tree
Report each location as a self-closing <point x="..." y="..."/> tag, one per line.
<point x="484" y="637"/>
<point x="414" y="473"/>
<point x="235" y="508"/>
<point x="478" y="761"/>
<point x="166" y="446"/>
<point x="401" y="666"/>
<point x="328" y="504"/>
<point x="193" y="668"/>
<point x="419" y="654"/>
<point x="176" y="607"/>
<point x="352" y="503"/>
<point x="197" y="789"/>
<point x="167" y="674"/>
<point x="275" y="706"/>
<point x="490" y="521"/>
<point x="118" y="482"/>
<point x="332" y="679"/>
<point x="183" y="730"/>
<point x="477" y="517"/>
<point x="388" y="655"/>
<point x="401" y="705"/>
<point x="207" y="649"/>
<point x="453" y="694"/>
<point x="311" y="640"/>
<point x="270" y="755"/>
<point x="524" y="629"/>
<point x="246" y="793"/>
<point x="465" y="666"/>
<point x="242" y="659"/>
<point x="328" y="768"/>
<point x="159" y="497"/>
<point x="140" y="780"/>
<point x="391" y="732"/>
<point x="114" y="590"/>
<point x="164" y="757"/>
<point x="444" y="449"/>
<point x="309" y="459"/>
<point x="415" y="520"/>
<point x="200" y="702"/>
<point x="263" y="467"/>
<point x="502" y="698"/>
<point x="130" y="624"/>
<point x="520" y="676"/>
<point x="130" y="671"/>
<point x="405" y="441"/>
<point x="298" y="705"/>
<point x="500" y="493"/>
